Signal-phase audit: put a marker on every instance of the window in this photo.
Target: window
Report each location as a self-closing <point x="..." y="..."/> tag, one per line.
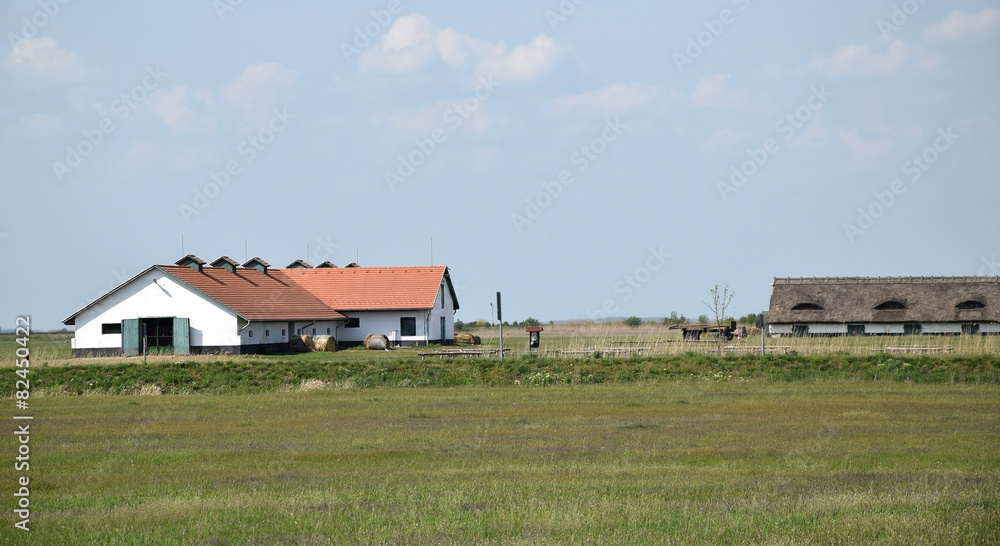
<point x="800" y="330"/>
<point x="891" y="305"/>
<point x="970" y="329"/>
<point x="971" y="304"/>
<point x="314" y="331"/>
<point x="327" y="331"/>
<point x="442" y="296"/>
<point x="807" y="307"/>
<point x="408" y="326"/>
<point x="855" y="329"/>
<point x="912" y="329"/>
<point x="353" y="322"/>
<point x="282" y="332"/>
<point x="249" y="333"/>
<point x="298" y="331"/>
<point x="115" y="328"/>
<point x="267" y="333"/>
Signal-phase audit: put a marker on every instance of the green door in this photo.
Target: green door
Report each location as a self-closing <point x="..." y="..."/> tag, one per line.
<point x="130" y="337"/>
<point x="182" y="336"/>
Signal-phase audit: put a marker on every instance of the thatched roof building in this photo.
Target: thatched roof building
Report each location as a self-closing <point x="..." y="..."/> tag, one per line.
<point x="885" y="305"/>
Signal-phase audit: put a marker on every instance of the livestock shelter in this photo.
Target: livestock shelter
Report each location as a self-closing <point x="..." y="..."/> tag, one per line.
<point x="224" y="308"/>
<point x="833" y="306"/>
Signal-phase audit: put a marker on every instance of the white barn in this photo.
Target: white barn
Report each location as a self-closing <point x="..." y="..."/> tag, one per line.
<point x="224" y="308"/>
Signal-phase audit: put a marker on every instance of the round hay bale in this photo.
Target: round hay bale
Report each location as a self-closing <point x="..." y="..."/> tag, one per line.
<point x="298" y="344"/>
<point x="376" y="342"/>
<point x="467" y="338"/>
<point x="325" y="344"/>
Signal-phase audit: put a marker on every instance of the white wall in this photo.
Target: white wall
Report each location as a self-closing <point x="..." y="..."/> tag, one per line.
<point x="211" y="323"/>
<point x="383" y="322"/>
<point x="872" y="329"/>
<point x="266" y="332"/>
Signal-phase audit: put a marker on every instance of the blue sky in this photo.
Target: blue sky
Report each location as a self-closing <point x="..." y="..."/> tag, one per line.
<point x="584" y="157"/>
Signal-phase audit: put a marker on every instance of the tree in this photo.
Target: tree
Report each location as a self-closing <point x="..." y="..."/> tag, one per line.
<point x="632" y="321"/>
<point x="720" y="302"/>
<point x="459" y="325"/>
<point x="702" y="319"/>
<point x="750" y="319"/>
<point x="530" y="321"/>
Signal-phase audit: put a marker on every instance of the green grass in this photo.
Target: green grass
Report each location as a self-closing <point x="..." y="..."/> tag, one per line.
<point x="686" y="461"/>
<point x="357" y="369"/>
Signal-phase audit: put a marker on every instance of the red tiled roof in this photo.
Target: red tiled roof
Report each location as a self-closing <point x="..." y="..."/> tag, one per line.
<point x="256" y="295"/>
<point x="317" y="293"/>
<point x="372" y="288"/>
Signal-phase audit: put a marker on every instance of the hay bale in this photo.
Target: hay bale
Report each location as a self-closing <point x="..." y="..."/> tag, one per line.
<point x="325" y="344"/>
<point x="467" y="338"/>
<point x="376" y="342"/>
<point x="301" y="344"/>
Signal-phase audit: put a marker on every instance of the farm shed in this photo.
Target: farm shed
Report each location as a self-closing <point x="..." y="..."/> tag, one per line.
<point x="194" y="308"/>
<point x="832" y="306"/>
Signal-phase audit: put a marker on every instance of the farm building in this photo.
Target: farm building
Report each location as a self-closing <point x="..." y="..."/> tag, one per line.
<point x="884" y="306"/>
<point x="196" y="308"/>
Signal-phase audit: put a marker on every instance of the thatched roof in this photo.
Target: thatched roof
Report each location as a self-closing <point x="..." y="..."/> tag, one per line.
<point x="884" y="300"/>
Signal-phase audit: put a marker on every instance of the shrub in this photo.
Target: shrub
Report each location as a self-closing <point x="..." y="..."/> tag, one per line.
<point x="632" y="321"/>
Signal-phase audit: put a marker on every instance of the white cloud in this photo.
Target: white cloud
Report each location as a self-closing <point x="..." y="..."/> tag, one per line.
<point x="613" y="99"/>
<point x="41" y="61"/>
<point x="259" y="87"/>
<point x="715" y="91"/>
<point x="36" y="126"/>
<point x="725" y="137"/>
<point x="172" y="107"/>
<point x="867" y="149"/>
<point x="960" y="26"/>
<point x="407" y="47"/>
<point x="204" y="96"/>
<point x="459" y="50"/>
<point x="526" y="62"/>
<point x="880" y="139"/>
<point x="860" y="60"/>
<point x="414" y="43"/>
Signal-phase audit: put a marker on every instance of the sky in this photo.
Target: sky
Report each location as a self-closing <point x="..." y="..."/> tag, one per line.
<point x="588" y="159"/>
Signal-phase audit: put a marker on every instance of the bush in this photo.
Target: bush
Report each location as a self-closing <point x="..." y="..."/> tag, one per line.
<point x="459" y="326"/>
<point x="531" y="322"/>
<point x="632" y="321"/>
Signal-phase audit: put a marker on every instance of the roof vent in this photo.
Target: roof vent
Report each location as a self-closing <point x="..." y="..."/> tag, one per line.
<point x="191" y="261"/>
<point x="258" y="264"/>
<point x="299" y="264"/>
<point x="226" y="263"/>
<point x="352" y="264"/>
<point x="326" y="264"/>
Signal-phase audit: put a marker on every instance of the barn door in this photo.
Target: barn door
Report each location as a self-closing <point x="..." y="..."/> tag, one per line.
<point x="130" y="337"/>
<point x="182" y="336"/>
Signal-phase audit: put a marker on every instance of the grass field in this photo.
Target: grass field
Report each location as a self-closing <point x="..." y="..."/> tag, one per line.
<point x="848" y="446"/>
<point x="675" y="462"/>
